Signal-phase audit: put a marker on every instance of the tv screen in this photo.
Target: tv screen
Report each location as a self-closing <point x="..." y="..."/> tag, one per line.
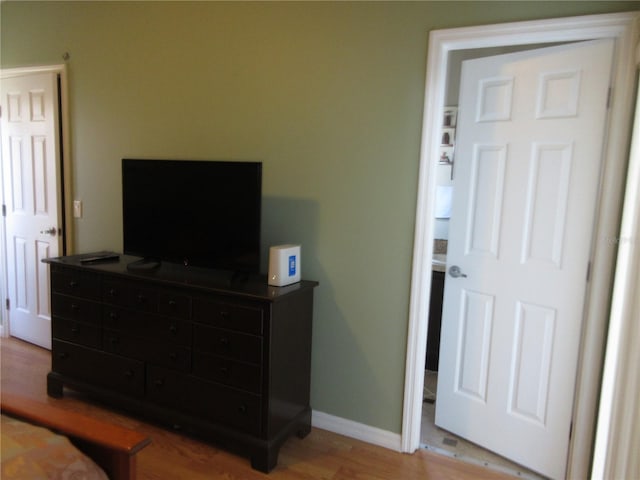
<point x="200" y="213"/>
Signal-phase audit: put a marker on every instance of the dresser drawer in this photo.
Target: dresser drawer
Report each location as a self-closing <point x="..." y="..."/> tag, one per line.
<point x="226" y="405"/>
<point x="242" y="318"/>
<point x="167" y="387"/>
<point x="75" y="282"/>
<point x="174" y="304"/>
<point x="241" y="375"/>
<point x="73" y="308"/>
<point x="76" y="332"/>
<point x="131" y="295"/>
<point x="118" y="318"/>
<point x="208" y="400"/>
<point x="226" y="343"/>
<point x="124" y="375"/>
<point x="147" y="325"/>
<point x="164" y="353"/>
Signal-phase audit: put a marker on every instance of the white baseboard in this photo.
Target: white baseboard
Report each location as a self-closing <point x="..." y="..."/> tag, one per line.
<point x="360" y="431"/>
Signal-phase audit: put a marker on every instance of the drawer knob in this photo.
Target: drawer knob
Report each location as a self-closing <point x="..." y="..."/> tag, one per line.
<point x="113" y="292"/>
<point x="128" y="373"/>
<point x="159" y="383"/>
<point x="141" y="298"/>
<point x="224" y="371"/>
<point x="242" y="409"/>
<point x="73" y="284"/>
<point x="63" y="355"/>
<point x="75" y="307"/>
<point x="224" y="341"/>
<point x="173" y="328"/>
<point x="172" y="303"/>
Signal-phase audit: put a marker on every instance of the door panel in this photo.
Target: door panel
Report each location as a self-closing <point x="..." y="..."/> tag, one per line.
<point x="547" y="196"/>
<point x="31" y="165"/>
<point x="533" y="345"/>
<point x="475" y="344"/>
<point x="486" y="200"/>
<point x="528" y="159"/>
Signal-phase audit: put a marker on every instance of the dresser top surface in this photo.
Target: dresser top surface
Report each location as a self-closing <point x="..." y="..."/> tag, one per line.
<point x="171" y="274"/>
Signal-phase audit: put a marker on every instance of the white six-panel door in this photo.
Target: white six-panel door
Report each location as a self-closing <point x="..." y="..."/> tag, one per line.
<point x="527" y="168"/>
<point x="30" y="163"/>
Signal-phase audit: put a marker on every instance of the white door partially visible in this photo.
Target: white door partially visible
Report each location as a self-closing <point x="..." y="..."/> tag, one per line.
<point x="31" y="175"/>
<point x="530" y="139"/>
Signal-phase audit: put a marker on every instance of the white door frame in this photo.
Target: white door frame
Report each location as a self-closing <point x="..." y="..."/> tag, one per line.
<point x="623" y="28"/>
<point x="618" y="437"/>
<point x="65" y="148"/>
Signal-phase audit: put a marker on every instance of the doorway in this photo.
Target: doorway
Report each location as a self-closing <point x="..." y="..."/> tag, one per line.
<point x="36" y="213"/>
<point x="442" y="45"/>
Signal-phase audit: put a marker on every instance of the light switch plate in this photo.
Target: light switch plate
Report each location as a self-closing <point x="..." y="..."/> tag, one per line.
<point x="77" y="209"/>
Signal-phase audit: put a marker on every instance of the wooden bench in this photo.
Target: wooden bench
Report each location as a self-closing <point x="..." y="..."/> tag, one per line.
<point x="110" y="446"/>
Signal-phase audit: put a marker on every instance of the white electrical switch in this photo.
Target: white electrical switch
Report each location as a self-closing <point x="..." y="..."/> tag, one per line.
<point x="77" y="208"/>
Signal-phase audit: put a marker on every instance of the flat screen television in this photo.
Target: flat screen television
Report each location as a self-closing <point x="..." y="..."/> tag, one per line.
<point x="198" y="213"/>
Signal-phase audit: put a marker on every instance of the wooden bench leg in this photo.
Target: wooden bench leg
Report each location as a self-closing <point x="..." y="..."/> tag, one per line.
<point x="54" y="387"/>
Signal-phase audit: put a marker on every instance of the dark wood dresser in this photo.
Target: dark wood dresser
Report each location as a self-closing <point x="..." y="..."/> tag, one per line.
<point x="225" y="359"/>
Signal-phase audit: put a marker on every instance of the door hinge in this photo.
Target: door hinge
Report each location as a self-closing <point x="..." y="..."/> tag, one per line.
<point x="609" y="96"/>
<point x="588" y="272"/>
<point x="4" y="210"/>
<point x="7" y="304"/>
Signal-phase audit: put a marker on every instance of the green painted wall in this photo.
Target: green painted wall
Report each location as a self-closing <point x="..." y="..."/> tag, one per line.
<point x="328" y="95"/>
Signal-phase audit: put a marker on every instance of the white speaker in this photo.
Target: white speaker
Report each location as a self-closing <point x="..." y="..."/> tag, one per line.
<point x="284" y="265"/>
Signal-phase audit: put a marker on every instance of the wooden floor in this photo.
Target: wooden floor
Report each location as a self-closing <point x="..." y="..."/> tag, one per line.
<point x="172" y="456"/>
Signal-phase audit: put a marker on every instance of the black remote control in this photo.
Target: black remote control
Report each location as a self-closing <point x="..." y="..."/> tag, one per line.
<point x="100" y="257"/>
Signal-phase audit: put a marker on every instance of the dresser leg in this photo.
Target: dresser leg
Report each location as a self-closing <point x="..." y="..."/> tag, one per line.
<point x="266" y="460"/>
<point x="303" y="430"/>
<point x="54" y="387"/>
<point x="304" y="425"/>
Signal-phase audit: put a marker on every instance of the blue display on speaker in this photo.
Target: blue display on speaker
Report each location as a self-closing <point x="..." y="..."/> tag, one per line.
<point x="292" y="265"/>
